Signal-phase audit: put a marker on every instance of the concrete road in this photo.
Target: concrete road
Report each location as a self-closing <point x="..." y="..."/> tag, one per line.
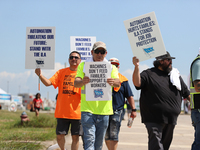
<point x="136" y="136"/>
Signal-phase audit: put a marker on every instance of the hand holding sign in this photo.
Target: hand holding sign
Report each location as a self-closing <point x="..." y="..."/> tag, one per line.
<point x="135" y="61"/>
<point x="38" y="71"/>
<point x="86" y="80"/>
<point x="110" y="81"/>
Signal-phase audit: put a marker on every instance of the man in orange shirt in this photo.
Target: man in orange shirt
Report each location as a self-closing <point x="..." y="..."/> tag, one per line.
<point x="68" y="102"/>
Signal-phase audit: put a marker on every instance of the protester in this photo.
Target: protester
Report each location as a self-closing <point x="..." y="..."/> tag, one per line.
<point x="37" y="101"/>
<point x="162" y="89"/>
<point x="67" y="109"/>
<point x="119" y="94"/>
<point x="195" y="100"/>
<point x="95" y="114"/>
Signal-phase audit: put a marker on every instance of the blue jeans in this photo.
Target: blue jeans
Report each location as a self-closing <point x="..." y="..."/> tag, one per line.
<point x="94" y="129"/>
<point x="195" y="116"/>
<point x="114" y="125"/>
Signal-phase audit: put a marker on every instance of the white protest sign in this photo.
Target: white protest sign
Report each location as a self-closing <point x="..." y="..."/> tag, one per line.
<point x="145" y="37"/>
<point x="82" y="44"/>
<point x="98" y="89"/>
<point x="40" y="47"/>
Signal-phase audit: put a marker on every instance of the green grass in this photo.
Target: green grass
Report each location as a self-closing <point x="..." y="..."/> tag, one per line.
<point x="20" y="146"/>
<point x="14" y="136"/>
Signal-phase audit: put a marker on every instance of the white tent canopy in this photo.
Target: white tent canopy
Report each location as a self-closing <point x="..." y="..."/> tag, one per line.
<point x="4" y="96"/>
<point x="2" y="91"/>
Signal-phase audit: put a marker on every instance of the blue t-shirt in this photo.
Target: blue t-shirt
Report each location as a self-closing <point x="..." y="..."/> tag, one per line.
<point x="196" y="70"/>
<point x="119" y="97"/>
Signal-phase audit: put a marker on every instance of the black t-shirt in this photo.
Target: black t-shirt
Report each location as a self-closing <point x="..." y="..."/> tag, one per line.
<point x="160" y="101"/>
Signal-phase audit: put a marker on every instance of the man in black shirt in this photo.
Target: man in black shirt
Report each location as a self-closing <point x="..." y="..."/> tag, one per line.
<point x="162" y="89"/>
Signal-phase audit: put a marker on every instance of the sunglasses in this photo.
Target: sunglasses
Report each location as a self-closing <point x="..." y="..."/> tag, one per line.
<point x="72" y="57"/>
<point x="97" y="51"/>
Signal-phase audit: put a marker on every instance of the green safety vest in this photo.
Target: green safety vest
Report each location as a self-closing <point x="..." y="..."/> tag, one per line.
<point x="192" y="89"/>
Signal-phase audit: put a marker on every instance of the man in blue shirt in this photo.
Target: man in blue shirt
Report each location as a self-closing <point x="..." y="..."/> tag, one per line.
<point x="118" y="96"/>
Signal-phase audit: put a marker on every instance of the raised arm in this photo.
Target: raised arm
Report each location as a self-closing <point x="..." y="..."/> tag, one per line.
<point x="136" y="73"/>
<point x="44" y="80"/>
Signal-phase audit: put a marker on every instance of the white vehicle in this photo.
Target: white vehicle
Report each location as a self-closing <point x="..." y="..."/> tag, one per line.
<point x="7" y="102"/>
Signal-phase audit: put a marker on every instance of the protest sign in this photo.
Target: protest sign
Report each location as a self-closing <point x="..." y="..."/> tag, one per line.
<point x="40" y="47"/>
<point x="98" y="89"/>
<point x="145" y="37"/>
<point x="82" y="44"/>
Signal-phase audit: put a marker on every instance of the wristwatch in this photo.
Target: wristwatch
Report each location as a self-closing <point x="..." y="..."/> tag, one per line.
<point x="134" y="109"/>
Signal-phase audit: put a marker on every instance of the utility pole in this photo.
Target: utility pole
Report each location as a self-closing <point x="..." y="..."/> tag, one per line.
<point x="7" y="86"/>
<point x="47" y="95"/>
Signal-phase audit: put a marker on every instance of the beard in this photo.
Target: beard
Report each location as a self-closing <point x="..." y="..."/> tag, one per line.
<point x="167" y="68"/>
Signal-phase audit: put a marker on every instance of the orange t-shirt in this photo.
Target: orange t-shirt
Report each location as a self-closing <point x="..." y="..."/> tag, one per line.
<point x="68" y="103"/>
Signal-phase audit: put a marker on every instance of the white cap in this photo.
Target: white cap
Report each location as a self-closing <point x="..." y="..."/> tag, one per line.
<point x="114" y="61"/>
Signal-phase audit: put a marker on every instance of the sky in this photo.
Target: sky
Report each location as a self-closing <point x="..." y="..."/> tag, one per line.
<point x="178" y="21"/>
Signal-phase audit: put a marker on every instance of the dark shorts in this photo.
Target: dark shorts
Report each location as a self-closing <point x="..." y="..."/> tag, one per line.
<point x="114" y="126"/>
<point x="64" y="124"/>
<point x="37" y="108"/>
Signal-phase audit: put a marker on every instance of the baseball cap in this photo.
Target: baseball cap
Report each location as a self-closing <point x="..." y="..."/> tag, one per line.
<point x="165" y="56"/>
<point x="114" y="61"/>
<point x="99" y="44"/>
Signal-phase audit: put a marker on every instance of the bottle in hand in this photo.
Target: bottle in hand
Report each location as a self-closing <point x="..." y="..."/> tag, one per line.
<point x="130" y="122"/>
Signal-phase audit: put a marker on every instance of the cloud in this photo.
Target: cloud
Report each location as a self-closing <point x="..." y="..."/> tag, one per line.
<point x="27" y="82"/>
<point x="128" y="73"/>
<point x="11" y="80"/>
